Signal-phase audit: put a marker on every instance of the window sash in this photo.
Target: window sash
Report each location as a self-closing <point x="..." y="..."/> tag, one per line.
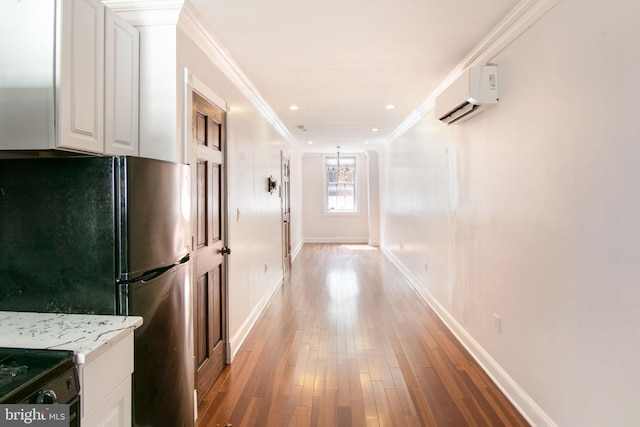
<point x="340" y="190"/>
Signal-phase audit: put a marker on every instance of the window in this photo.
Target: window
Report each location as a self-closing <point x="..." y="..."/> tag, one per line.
<point x="340" y="183"/>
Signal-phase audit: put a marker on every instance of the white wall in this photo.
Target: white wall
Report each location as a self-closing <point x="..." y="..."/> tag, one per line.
<point x="296" y="221"/>
<point x="373" y="193"/>
<point x="530" y="211"/>
<point x="321" y="227"/>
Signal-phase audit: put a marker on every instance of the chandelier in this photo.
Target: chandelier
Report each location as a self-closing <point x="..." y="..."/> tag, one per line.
<point x="339" y="174"/>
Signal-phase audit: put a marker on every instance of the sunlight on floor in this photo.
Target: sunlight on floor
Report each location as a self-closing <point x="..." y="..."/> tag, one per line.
<point x="342" y="283"/>
<point x="361" y="247"/>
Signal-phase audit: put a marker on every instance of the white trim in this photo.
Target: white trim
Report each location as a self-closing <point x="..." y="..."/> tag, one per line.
<point x="285" y="158"/>
<point x="187" y="131"/>
<point x="296" y="251"/>
<point x="341" y="213"/>
<point x="524" y="15"/>
<point x="520" y="399"/>
<point x="191" y="84"/>
<point x="207" y="93"/>
<point x="193" y="25"/>
<point x="238" y="339"/>
<point x="364" y="240"/>
<point x="140" y="13"/>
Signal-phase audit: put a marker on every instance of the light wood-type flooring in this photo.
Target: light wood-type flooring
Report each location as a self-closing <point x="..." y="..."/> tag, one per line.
<point x="347" y="342"/>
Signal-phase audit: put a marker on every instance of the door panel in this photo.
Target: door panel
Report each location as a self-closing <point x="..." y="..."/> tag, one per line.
<point x="209" y="236"/>
<point x="81" y="94"/>
<point x="121" y="86"/>
<point x="202" y="308"/>
<point x="216" y="213"/>
<point x="201" y="204"/>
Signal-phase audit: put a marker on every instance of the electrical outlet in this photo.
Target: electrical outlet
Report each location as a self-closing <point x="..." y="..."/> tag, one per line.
<point x="497" y="324"/>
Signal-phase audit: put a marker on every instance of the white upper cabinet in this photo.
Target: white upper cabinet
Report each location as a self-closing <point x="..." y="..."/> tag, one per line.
<point x="27" y="49"/>
<point x="68" y="77"/>
<point x="122" y="49"/>
<point x="80" y="83"/>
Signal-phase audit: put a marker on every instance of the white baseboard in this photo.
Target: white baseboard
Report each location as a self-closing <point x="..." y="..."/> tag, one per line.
<point x="336" y="240"/>
<point x="296" y="250"/>
<point x="236" y="341"/>
<point x="520" y="399"/>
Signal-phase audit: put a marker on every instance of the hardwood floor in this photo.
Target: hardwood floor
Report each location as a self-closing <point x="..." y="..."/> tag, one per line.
<point x="347" y="342"/>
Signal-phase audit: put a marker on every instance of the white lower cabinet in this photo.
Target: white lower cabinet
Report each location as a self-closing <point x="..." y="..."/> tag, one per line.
<point x="105" y="387"/>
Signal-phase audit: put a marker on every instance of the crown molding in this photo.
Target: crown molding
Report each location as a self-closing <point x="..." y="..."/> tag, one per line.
<point x="523" y="16"/>
<point x="193" y="25"/>
<point x="140" y="13"/>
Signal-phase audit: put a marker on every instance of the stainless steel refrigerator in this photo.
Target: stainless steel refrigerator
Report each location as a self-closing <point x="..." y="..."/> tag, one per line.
<point x="106" y="235"/>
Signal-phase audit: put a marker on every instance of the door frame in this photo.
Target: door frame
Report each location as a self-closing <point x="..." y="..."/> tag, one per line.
<point x="285" y="159"/>
<point x="193" y="84"/>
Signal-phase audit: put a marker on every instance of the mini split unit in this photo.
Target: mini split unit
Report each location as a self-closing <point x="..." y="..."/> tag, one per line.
<point x="471" y="93"/>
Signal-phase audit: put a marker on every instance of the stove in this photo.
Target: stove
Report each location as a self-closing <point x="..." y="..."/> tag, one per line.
<point x="39" y="377"/>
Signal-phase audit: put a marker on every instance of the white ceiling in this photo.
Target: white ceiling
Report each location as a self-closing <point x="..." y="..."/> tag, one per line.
<point x="343" y="61"/>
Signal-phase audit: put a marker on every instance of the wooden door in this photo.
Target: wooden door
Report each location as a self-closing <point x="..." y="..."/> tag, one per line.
<point x="210" y="252"/>
<point x="286" y="215"/>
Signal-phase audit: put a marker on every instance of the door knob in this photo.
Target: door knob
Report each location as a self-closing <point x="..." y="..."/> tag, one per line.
<point x="225" y="250"/>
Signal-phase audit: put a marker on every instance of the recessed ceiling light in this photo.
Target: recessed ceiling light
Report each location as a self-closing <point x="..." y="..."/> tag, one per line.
<point x="374" y="130"/>
<point x="390" y="107"/>
<point x="366" y="142"/>
<point x="310" y="142"/>
<point x="293" y="107"/>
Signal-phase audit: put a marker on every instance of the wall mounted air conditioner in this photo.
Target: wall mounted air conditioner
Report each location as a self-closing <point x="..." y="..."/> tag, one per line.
<point x="473" y="92"/>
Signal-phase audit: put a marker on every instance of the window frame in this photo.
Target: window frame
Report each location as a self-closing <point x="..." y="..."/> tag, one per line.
<point x="325" y="185"/>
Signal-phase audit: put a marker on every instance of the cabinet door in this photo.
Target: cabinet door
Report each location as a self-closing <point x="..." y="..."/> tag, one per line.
<point x="122" y="47"/>
<point x="106" y="387"/>
<point x="27" y="31"/>
<point x="80" y="80"/>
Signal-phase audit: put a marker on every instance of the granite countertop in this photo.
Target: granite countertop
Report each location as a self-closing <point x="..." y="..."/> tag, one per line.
<point x="87" y="335"/>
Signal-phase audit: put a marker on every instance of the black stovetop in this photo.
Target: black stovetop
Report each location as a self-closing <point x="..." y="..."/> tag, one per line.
<point x="24" y="371"/>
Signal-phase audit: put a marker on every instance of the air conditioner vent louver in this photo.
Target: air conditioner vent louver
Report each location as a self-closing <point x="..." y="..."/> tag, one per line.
<point x="473" y="92"/>
<point x="458" y="113"/>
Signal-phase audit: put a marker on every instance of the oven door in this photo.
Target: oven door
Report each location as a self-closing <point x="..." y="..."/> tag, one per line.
<point x="46" y="377"/>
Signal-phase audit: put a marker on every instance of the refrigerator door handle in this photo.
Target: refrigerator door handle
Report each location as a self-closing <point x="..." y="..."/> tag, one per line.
<point x="152" y="274"/>
<point x="122" y="304"/>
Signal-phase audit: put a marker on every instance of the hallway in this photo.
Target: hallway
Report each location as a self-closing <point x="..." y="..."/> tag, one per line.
<point x="347" y="342"/>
